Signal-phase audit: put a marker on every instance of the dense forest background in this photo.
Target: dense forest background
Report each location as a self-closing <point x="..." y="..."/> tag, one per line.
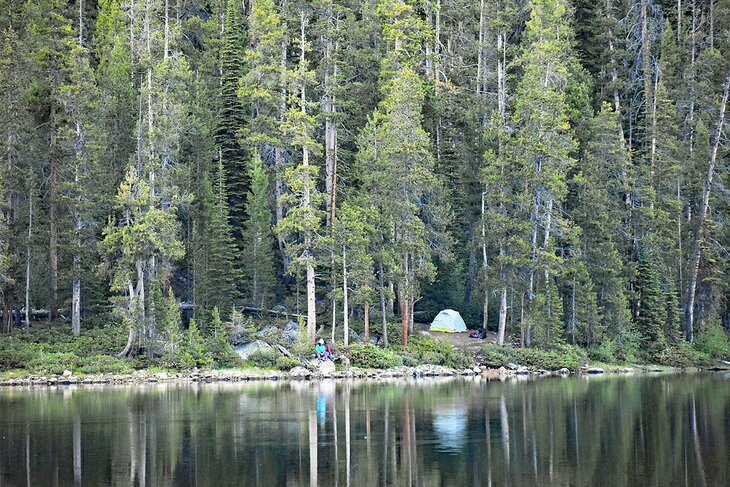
<point x="555" y="170"/>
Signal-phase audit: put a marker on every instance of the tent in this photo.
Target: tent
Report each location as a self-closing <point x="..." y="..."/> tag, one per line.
<point x="448" y="321"/>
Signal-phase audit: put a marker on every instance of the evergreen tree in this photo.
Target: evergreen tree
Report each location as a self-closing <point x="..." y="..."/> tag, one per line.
<point x="600" y="210"/>
<point x="142" y="231"/>
<point x="232" y="114"/>
<point x="222" y="259"/>
<point x="652" y="308"/>
<point x="544" y="145"/>
<point x="258" y="240"/>
<point x="300" y="226"/>
<point x="409" y="199"/>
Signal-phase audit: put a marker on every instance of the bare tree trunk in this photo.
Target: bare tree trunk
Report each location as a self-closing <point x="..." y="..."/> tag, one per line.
<point x="345" y="306"/>
<point x="307" y="205"/>
<point x="367" y="321"/>
<point x="502" y="317"/>
<point x="78" y="223"/>
<point x="702" y="216"/>
<point x="53" y="222"/>
<point x="27" y="260"/>
<point x="405" y="299"/>
<point x="384" y="318"/>
<point x="279" y="163"/>
<point x="485" y="311"/>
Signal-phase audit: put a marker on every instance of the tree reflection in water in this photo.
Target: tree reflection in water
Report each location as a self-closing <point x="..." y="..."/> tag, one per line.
<point x="669" y="430"/>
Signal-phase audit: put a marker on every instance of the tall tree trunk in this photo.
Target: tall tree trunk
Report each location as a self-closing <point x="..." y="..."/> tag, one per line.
<point x="702" y="216"/>
<point x="279" y="164"/>
<point x="405" y="299"/>
<point x="366" y="310"/>
<point x="78" y="224"/>
<point x="53" y="221"/>
<point x="383" y="317"/>
<point x="27" y="260"/>
<point x="502" y="317"/>
<point x="485" y="311"/>
<point x="345" y="300"/>
<point x="307" y="205"/>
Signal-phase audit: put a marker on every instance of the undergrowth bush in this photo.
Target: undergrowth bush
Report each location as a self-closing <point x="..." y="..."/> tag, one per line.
<point x="286" y="363"/>
<point x="558" y="357"/>
<point x="371" y="357"/>
<point x="428" y="350"/>
<point x="713" y="341"/>
<point x="263" y="359"/>
<point x="683" y="354"/>
<point x="605" y="352"/>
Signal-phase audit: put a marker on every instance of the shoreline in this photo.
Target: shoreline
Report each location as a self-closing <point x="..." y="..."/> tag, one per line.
<point x="302" y="374"/>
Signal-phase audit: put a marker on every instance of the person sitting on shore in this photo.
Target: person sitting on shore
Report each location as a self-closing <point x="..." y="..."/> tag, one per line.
<point x="323" y="351"/>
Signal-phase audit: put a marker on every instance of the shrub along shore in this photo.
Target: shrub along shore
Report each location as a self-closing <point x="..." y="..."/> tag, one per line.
<point x="48" y="355"/>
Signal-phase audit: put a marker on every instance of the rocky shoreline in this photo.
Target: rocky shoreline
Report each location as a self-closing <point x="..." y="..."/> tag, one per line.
<point x="302" y="373"/>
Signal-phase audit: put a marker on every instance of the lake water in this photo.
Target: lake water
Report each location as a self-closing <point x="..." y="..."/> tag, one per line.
<point x="613" y="431"/>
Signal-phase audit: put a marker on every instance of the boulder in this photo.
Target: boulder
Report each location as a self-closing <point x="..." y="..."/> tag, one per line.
<point x="326" y="367"/>
<point x="564" y="371"/>
<point x="247" y="349"/>
<point x="594" y="370"/>
<point x="299" y="373"/>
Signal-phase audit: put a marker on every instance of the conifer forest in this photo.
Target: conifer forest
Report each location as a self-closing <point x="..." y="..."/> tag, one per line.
<point x="556" y="170"/>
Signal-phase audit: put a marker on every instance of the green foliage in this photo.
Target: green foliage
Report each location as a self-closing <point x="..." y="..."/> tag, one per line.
<point x="286" y="363"/>
<point x="372" y="357"/>
<point x="652" y="314"/>
<point x="605" y="352"/>
<point x="558" y="357"/>
<point x="264" y="360"/>
<point x="713" y="341"/>
<point x="425" y="349"/>
<point x="258" y="240"/>
<point x="194" y="352"/>
<point x="683" y="354"/>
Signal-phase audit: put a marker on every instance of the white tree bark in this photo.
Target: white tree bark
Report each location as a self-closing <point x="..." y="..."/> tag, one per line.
<point x="345" y="305"/>
<point x="702" y="216"/>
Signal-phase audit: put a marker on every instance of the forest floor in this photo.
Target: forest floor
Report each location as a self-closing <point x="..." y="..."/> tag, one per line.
<point x="460" y="341"/>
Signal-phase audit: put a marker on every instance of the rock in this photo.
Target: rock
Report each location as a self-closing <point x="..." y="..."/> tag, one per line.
<point x="564" y="371"/>
<point x="512" y="366"/>
<point x="67" y="373"/>
<point x="477" y="370"/>
<point x="299" y="373"/>
<point x="433" y="370"/>
<point x="326" y="367"/>
<point x="247" y="349"/>
<point x="594" y="370"/>
<point x="522" y="370"/>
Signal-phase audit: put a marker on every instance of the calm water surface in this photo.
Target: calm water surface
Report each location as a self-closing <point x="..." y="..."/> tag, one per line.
<point x="612" y="431"/>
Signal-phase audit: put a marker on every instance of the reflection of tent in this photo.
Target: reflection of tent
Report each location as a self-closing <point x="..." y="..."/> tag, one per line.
<point x="450" y="429"/>
<point x="449" y="321"/>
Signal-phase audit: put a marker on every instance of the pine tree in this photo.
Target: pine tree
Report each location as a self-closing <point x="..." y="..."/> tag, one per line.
<point x="652" y="308"/>
<point x="142" y="230"/>
<point x="600" y="210"/>
<point x="264" y="89"/>
<point x="544" y="145"/>
<point x="353" y="232"/>
<point x="409" y="199"/>
<point x="299" y="229"/>
<point x="232" y="114"/>
<point x="258" y="240"/>
<point x="222" y="259"/>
